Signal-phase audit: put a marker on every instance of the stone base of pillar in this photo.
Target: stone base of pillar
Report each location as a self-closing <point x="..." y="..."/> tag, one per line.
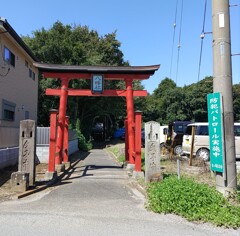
<point x="50" y="175"/>
<point x="138" y="175"/>
<point x="19" y="181"/>
<point x="59" y="168"/>
<point x="130" y="168"/>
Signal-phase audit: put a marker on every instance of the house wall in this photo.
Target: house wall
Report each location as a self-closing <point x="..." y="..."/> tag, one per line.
<point x="18" y="88"/>
<point x="9" y="156"/>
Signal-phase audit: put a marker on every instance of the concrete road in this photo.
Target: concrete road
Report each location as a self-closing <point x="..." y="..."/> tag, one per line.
<point x="95" y="199"/>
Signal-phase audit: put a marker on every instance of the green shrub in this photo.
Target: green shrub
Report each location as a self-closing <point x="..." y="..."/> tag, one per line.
<point x="194" y="201"/>
<point x="83" y="144"/>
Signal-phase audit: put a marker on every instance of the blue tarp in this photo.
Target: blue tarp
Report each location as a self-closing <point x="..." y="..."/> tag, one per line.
<point x="118" y="133"/>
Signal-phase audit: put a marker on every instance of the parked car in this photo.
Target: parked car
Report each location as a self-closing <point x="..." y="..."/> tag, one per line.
<point x="163" y="134"/>
<point x="201" y="140"/>
<point x="175" y="133"/>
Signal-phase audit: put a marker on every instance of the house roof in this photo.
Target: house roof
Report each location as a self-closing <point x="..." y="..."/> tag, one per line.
<point x="4" y="25"/>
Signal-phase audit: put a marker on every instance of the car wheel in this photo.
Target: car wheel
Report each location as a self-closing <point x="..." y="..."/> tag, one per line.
<point x="178" y="150"/>
<point x="203" y="153"/>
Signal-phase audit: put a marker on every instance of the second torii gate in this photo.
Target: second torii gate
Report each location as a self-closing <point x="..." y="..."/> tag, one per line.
<point x="97" y="74"/>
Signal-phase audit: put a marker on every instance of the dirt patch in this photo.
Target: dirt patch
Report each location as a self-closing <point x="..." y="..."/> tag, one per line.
<point x="6" y="192"/>
<point x="199" y="169"/>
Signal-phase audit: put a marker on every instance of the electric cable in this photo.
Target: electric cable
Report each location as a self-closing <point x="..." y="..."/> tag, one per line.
<point x="173" y="40"/>
<point x="202" y="37"/>
<point x="179" y="41"/>
<point x="200" y="56"/>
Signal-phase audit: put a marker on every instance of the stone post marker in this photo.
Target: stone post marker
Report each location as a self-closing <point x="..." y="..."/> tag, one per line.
<point x="27" y="149"/>
<point x="152" y="151"/>
<point x="25" y="176"/>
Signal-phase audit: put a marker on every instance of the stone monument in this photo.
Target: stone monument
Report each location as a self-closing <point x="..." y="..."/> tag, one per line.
<point x="27" y="152"/>
<point x="152" y="151"/>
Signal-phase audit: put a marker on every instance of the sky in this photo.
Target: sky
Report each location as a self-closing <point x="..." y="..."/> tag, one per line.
<point x="144" y="28"/>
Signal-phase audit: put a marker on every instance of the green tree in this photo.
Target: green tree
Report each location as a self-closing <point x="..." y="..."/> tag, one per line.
<point x="77" y="45"/>
<point x="169" y="102"/>
<point x="158" y="103"/>
<point x="196" y="99"/>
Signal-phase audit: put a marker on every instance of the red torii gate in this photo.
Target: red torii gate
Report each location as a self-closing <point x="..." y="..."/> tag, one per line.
<point x="67" y="72"/>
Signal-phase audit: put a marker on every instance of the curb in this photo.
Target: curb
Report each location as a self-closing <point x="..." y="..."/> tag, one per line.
<point x="51" y="182"/>
<point x="133" y="182"/>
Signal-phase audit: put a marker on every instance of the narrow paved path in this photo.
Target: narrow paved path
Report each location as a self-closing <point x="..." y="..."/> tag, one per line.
<point x="94" y="199"/>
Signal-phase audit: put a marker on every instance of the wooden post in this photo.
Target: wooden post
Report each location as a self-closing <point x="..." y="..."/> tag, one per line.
<point x="126" y="140"/>
<point x="65" y="142"/>
<point x="192" y="146"/>
<point x="52" y="141"/>
<point x="138" y="141"/>
<point x="172" y="143"/>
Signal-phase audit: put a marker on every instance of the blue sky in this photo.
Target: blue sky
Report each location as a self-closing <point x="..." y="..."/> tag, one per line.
<point x="144" y="28"/>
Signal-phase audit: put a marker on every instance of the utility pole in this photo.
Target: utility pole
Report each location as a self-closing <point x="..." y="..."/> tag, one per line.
<point x="222" y="82"/>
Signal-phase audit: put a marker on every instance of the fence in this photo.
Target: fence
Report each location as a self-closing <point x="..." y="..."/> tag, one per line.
<point x="42" y="141"/>
<point x="43" y="135"/>
<point x="9" y="141"/>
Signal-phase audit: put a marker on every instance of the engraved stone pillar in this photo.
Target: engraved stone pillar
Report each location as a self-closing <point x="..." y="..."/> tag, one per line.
<point x="152" y="151"/>
<point x="27" y="149"/>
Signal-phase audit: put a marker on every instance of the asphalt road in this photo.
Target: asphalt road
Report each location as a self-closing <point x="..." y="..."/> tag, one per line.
<point x="94" y="199"/>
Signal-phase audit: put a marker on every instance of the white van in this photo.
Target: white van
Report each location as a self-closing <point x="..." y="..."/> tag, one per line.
<point x="201" y="140"/>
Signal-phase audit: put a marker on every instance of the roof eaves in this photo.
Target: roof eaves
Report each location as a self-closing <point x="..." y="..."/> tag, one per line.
<point x="18" y="39"/>
<point x="97" y="69"/>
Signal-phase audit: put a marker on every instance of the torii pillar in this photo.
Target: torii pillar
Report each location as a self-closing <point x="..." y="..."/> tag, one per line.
<point x="130" y="120"/>
<point x="61" y="123"/>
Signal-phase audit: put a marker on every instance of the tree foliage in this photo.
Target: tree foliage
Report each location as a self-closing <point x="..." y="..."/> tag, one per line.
<point x="169" y="102"/>
<point x="78" y="45"/>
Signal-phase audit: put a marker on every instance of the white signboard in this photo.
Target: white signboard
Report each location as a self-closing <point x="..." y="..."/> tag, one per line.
<point x="97" y="83"/>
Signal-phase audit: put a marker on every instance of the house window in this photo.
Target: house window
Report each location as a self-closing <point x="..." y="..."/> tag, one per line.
<point x="9" y="57"/>
<point x="26" y="63"/>
<point x="30" y="73"/>
<point x="8" y="110"/>
<point x="33" y="75"/>
<point x="26" y="114"/>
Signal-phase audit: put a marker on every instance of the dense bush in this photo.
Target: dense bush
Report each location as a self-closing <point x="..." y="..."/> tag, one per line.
<point x="194" y="201"/>
<point x="83" y="144"/>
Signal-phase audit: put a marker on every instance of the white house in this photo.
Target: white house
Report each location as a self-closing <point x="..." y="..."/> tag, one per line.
<point x="18" y="90"/>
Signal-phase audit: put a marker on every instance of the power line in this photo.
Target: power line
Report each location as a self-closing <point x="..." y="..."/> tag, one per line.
<point x="179" y="41"/>
<point x="202" y="37"/>
<point x="174" y="30"/>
